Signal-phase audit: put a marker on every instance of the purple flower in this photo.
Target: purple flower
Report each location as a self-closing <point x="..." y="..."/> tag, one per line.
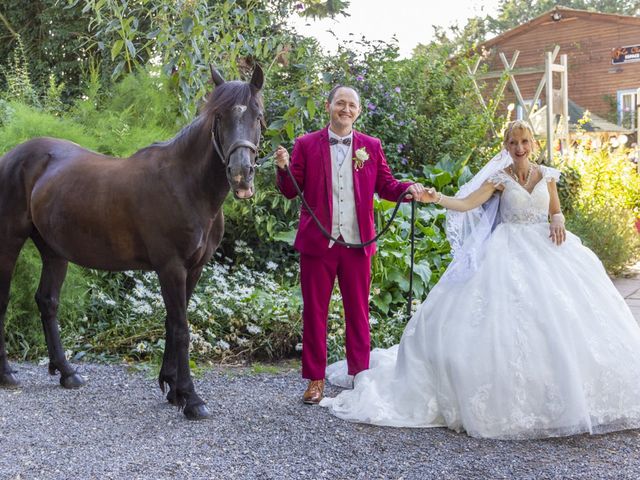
<point x="371" y="106"/>
<point x="401" y="123"/>
<point x="300" y="6"/>
<point x="404" y="161"/>
<point x="400" y="147"/>
<point x="359" y="78"/>
<point x="397" y="89"/>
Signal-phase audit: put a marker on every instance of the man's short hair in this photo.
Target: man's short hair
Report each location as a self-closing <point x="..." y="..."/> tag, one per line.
<point x="333" y="91"/>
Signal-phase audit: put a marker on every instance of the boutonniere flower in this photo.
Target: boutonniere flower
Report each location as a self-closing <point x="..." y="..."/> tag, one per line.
<point x="361" y="156"/>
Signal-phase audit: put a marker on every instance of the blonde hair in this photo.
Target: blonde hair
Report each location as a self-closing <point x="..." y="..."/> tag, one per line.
<point x="522" y="126"/>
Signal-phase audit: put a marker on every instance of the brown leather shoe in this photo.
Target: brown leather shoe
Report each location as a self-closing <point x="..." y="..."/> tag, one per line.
<point x="313" y="394"/>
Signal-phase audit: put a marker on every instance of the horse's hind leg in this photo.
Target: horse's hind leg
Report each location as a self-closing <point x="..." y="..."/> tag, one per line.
<point x="9" y="251"/>
<point x="54" y="270"/>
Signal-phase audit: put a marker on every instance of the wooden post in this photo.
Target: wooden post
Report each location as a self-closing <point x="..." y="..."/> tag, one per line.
<point x="541" y="85"/>
<point x="548" y="72"/>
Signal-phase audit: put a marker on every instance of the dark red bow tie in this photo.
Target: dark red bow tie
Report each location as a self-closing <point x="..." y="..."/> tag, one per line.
<point x="344" y="141"/>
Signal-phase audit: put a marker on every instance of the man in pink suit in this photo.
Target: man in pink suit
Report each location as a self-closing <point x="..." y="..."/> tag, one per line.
<point x="338" y="170"/>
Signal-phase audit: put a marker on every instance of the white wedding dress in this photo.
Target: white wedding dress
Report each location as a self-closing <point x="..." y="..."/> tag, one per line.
<point x="536" y="343"/>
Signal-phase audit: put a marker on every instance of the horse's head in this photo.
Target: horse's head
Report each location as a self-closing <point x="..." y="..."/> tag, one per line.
<point x="238" y="118"/>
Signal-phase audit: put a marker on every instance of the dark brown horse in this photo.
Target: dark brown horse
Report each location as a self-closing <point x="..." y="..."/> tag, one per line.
<point x="160" y="209"/>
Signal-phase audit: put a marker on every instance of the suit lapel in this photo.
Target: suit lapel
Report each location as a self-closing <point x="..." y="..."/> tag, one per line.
<point x="325" y="156"/>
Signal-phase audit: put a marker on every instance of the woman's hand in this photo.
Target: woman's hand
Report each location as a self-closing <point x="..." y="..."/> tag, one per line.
<point x="557" y="232"/>
<point x="431" y="195"/>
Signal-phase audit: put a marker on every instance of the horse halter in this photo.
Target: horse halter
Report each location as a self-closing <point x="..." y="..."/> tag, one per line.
<point x="234" y="146"/>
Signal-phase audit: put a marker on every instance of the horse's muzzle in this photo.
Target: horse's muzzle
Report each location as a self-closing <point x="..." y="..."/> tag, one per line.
<point x="243" y="193"/>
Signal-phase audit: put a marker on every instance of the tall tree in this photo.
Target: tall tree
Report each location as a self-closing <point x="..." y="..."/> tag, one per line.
<point x="511" y="12"/>
<point x="59" y="36"/>
<point x="53" y="37"/>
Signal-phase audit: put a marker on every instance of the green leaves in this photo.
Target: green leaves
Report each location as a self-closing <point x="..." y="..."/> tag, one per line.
<point x="440" y="179"/>
<point x="186" y="36"/>
<point x="116" y="48"/>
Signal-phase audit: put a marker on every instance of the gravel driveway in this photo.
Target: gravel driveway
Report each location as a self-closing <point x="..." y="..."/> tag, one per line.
<point x="119" y="426"/>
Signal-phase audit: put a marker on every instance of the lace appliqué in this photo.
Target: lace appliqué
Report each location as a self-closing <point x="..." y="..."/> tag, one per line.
<point x="517" y="205"/>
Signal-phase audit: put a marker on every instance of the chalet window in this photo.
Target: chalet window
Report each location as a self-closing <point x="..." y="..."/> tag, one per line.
<point x="627" y="108"/>
<point x="520" y="111"/>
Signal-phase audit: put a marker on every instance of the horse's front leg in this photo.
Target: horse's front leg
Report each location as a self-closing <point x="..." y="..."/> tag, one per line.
<point x="173" y="283"/>
<point x="168" y="371"/>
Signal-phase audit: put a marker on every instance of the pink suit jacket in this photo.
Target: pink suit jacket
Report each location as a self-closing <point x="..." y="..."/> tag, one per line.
<point x="311" y="167"/>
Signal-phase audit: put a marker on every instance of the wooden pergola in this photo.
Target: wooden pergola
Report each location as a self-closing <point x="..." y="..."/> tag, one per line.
<point x="531" y="113"/>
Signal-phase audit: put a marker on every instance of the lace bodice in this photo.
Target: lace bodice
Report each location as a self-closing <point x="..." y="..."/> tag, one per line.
<point x="517" y="205"/>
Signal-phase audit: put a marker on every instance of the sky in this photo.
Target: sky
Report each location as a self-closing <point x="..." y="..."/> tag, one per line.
<point x="410" y="20"/>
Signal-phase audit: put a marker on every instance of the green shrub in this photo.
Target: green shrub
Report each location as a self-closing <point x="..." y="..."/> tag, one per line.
<point x="19" y="86"/>
<point x="600" y="191"/>
<point x="235" y="312"/>
<point x="609" y="232"/>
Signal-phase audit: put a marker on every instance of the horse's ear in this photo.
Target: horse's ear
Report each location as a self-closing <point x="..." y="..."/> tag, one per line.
<point x="215" y="76"/>
<point x="257" y="79"/>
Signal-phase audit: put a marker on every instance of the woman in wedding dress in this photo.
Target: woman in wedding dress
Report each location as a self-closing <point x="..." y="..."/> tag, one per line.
<point x="525" y="335"/>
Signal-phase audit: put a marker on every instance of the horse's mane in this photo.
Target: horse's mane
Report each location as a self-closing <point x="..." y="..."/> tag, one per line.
<point x="221" y="100"/>
<point x="225" y="96"/>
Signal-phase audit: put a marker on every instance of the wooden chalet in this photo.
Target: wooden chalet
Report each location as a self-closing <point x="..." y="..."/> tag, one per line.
<point x="603" y="52"/>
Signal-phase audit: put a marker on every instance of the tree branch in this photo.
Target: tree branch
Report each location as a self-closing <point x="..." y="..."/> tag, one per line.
<point x="6" y="24"/>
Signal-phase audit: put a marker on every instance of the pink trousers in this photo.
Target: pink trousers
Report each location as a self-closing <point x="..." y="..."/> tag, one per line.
<point x="317" y="277"/>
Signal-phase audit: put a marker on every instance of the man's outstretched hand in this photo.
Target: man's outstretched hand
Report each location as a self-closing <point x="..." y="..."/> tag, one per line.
<point x="281" y="157"/>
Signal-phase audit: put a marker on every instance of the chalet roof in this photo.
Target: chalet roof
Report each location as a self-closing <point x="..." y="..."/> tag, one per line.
<point x="596" y="124"/>
<point x="566" y="14"/>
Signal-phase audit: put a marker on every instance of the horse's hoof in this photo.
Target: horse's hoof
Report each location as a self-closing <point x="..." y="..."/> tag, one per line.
<point x="74" y="380"/>
<point x="9" y="380"/>
<point x="197" y="412"/>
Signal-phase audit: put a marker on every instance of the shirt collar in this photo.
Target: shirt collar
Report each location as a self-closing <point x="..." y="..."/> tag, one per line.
<point x="334" y="135"/>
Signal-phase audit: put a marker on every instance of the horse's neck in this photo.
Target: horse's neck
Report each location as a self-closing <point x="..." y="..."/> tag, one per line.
<point x="193" y="153"/>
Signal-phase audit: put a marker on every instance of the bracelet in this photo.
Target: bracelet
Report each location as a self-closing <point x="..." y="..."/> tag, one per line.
<point x="559" y="216"/>
<point x="439" y="199"/>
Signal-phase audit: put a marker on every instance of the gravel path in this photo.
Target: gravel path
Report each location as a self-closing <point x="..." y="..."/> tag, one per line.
<point x="119" y="426"/>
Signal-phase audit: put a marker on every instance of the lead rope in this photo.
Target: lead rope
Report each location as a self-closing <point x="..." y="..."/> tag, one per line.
<point x="369" y="242"/>
<point x="413" y="245"/>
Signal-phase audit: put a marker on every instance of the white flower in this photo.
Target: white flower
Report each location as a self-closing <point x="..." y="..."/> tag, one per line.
<point x="253" y="329"/>
<point x="361" y="157"/>
<point x="222" y="345"/>
<point x="142" y="308"/>
<point x="272" y="265"/>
